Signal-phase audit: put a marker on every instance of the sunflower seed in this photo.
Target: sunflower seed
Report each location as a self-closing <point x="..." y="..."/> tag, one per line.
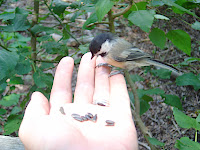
<point x="90" y="115"/>
<point x="78" y="118"/>
<point x="75" y="115"/>
<point x="84" y="118"/>
<point x="94" y="119"/>
<point x="62" y="110"/>
<point x="110" y="123"/>
<point x="101" y="104"/>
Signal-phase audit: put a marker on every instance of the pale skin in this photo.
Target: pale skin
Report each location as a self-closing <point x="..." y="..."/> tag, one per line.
<point x="44" y="127"/>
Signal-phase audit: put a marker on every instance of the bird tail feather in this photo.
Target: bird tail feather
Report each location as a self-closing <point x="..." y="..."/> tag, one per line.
<point x="175" y="71"/>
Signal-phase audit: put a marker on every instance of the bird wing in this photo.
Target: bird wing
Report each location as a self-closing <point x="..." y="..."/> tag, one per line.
<point x="131" y="54"/>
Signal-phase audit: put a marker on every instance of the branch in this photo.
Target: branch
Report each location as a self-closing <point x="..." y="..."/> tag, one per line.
<point x="92" y="24"/>
<point x="52" y="13"/>
<point x="134" y="91"/>
<point x="143" y="128"/>
<point x="5" y="48"/>
<point x="136" y="113"/>
<point x="111" y="21"/>
<point x="47" y="61"/>
<point x="123" y="11"/>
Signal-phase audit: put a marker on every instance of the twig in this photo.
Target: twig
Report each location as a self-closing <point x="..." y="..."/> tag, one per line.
<point x="111" y="21"/>
<point x="134" y="91"/>
<point x="5" y="48"/>
<point x="143" y="129"/>
<point x="52" y="13"/>
<point x="47" y="61"/>
<point x="145" y="145"/>
<point x="33" y="36"/>
<point x="176" y="126"/>
<point x="96" y="23"/>
<point x="136" y="113"/>
<point x="123" y="11"/>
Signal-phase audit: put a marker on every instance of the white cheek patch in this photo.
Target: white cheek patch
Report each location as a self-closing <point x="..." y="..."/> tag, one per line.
<point x="105" y="47"/>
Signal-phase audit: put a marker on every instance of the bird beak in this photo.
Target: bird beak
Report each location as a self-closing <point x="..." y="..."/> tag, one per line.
<point x="92" y="55"/>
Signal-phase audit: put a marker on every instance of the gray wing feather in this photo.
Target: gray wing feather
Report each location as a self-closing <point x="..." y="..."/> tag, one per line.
<point x="132" y="54"/>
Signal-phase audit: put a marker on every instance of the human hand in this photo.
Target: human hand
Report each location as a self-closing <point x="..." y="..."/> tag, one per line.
<point x="45" y="127"/>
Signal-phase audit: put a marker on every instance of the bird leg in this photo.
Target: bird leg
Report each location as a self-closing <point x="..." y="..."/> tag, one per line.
<point x="115" y="72"/>
<point x="103" y="64"/>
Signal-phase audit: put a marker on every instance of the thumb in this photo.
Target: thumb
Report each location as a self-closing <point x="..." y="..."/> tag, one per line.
<point x="38" y="105"/>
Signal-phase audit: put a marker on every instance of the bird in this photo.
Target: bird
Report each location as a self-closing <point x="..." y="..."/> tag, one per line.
<point x="120" y="53"/>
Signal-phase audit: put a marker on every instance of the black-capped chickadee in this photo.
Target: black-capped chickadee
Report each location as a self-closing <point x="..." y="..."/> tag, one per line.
<point x="120" y="53"/>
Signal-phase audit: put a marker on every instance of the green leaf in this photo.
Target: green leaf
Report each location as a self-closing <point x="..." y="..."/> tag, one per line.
<point x="8" y="61"/>
<point x="20" y="23"/>
<point x="157" y="36"/>
<point x="198" y="118"/>
<point x="16" y="80"/>
<point x="10" y="100"/>
<point x="45" y="65"/>
<point x="196" y="25"/>
<point x="189" y="60"/>
<point x="145" y="99"/>
<point x="92" y="19"/>
<point x="66" y="31"/>
<point x="12" y="125"/>
<point x="181" y="40"/>
<point x="2" y="111"/>
<point x="162" y="73"/>
<point x="3" y="85"/>
<point x="75" y="15"/>
<point x="59" y="6"/>
<point x="156" y="3"/>
<point x="171" y="3"/>
<point x="156" y="91"/>
<point x="23" y="66"/>
<point x="144" y="106"/>
<point x="16" y="110"/>
<point x="186" y="144"/>
<point x="102" y="8"/>
<point x="136" y="7"/>
<point x="53" y="47"/>
<point x="7" y="16"/>
<point x="83" y="48"/>
<point x="154" y="141"/>
<point x="142" y="18"/>
<point x="136" y="78"/>
<point x="42" y="80"/>
<point x="188" y="79"/>
<point x="21" y="11"/>
<point x="158" y="16"/>
<point x="185" y="121"/>
<point x="39" y="28"/>
<point x="173" y="100"/>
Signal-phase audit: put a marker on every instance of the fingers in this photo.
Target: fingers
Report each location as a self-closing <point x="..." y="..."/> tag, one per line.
<point x="85" y="80"/>
<point x="38" y="105"/>
<point x="119" y="97"/>
<point x="102" y="89"/>
<point x="61" y="92"/>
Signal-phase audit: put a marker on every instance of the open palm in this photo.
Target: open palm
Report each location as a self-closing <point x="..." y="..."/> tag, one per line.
<point x="45" y="127"/>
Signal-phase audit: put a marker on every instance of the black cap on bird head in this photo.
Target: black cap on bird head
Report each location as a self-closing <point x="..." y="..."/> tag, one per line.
<point x="95" y="45"/>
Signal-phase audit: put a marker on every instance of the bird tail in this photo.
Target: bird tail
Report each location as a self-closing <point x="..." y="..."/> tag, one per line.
<point x="175" y="71"/>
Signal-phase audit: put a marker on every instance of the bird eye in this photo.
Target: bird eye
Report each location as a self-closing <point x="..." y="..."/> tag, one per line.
<point x="103" y="54"/>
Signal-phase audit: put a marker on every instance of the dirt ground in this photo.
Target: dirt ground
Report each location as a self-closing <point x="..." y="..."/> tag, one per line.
<point x="159" y="118"/>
